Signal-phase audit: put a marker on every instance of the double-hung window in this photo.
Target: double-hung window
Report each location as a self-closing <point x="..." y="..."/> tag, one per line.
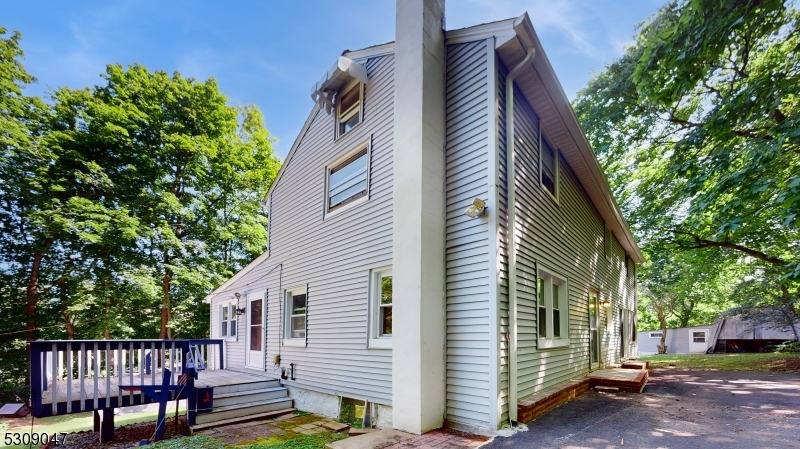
<point x="380" y="297"/>
<point x="296" y="307"/>
<point x="348" y="108"/>
<point x="553" y="316"/>
<point x="548" y="167"/>
<point x="348" y="178"/>
<point x="227" y="320"/>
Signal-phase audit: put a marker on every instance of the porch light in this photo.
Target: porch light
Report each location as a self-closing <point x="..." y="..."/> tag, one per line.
<point x="605" y="303"/>
<point x="240" y="311"/>
<point x="477" y="209"/>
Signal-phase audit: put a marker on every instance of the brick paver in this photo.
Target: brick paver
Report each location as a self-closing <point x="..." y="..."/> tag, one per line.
<point x="441" y="439"/>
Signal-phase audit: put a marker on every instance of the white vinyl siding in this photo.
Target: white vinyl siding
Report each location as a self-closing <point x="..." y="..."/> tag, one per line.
<point x="332" y="254"/>
<point x="565" y="235"/>
<point x="466" y="239"/>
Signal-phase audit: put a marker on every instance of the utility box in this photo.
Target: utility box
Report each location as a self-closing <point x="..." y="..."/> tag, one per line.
<point x="205" y="399"/>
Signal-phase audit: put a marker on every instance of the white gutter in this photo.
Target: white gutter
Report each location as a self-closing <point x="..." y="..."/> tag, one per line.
<point x="511" y="177"/>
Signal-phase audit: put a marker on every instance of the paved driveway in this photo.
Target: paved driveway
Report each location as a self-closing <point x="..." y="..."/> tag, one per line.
<point x="679" y="409"/>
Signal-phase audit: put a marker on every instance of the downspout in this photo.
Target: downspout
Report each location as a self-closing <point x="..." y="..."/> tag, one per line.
<point x="511" y="177"/>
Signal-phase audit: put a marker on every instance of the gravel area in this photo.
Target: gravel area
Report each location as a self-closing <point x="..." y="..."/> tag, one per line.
<point x="678" y="409"/>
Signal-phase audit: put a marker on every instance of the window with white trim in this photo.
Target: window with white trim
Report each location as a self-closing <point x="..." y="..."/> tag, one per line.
<point x="699" y="337"/>
<point x="380" y="297"/>
<point x="296" y="314"/>
<point x="656" y="334"/>
<point x="348" y="178"/>
<point x="548" y="167"/>
<point x="553" y="316"/>
<point x="349" y="111"/>
<point x="608" y="239"/>
<point x="227" y="320"/>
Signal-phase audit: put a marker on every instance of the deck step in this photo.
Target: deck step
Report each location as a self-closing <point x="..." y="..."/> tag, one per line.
<point x="246" y="386"/>
<point x="239" y="410"/>
<point x="244" y="397"/>
<point x="240" y="419"/>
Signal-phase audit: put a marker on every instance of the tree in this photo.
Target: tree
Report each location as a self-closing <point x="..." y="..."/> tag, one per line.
<point x="697" y="125"/>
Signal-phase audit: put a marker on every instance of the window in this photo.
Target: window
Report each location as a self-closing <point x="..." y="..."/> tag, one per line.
<point x="227" y="320"/>
<point x="699" y="337"/>
<point x="348" y="108"/>
<point x="381" y="309"/>
<point x="348" y="178"/>
<point x="548" y="167"/>
<point x="296" y="314"/>
<point x="608" y="238"/>
<point x="553" y="318"/>
<point x="656" y="334"/>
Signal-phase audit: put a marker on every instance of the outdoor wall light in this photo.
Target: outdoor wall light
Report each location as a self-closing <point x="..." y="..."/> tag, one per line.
<point x="605" y="303"/>
<point x="477" y="209"/>
<point x="238" y="310"/>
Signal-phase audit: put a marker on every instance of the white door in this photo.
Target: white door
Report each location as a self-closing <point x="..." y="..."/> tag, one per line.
<point x="254" y="330"/>
<point x="698" y="341"/>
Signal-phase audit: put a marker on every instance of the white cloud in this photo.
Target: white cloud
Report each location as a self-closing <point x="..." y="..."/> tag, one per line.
<point x="564" y="17"/>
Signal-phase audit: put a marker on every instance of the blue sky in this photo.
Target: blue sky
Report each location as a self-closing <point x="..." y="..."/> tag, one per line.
<point x="270" y="53"/>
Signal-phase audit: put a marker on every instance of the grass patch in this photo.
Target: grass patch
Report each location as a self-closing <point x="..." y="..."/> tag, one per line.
<point x="296" y="441"/>
<point x="770" y="362"/>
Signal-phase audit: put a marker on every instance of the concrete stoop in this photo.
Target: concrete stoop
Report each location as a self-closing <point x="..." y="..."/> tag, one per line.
<point x="373" y="440"/>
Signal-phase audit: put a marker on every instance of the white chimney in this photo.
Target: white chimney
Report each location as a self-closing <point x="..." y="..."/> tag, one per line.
<point x="418" y="369"/>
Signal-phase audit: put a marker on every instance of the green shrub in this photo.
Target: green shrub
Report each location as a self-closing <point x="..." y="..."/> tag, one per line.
<point x="788" y="346"/>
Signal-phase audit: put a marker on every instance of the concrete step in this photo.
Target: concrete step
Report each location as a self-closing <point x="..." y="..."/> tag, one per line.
<point x="246" y="386"/>
<point x="244" y="397"/>
<point x="239" y="410"/>
<point x="240" y="419"/>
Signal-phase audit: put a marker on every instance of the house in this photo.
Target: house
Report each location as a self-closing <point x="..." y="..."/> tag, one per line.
<point x="681" y="340"/>
<point x="378" y="286"/>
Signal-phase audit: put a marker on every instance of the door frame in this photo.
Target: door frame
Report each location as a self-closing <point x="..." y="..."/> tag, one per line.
<point x="262" y="295"/>
<point x="596" y="305"/>
<point x="691" y="340"/>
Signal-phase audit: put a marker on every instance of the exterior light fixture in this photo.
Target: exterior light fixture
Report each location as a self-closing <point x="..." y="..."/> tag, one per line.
<point x="477" y="209"/>
<point x="605" y="303"/>
<point x="238" y="310"/>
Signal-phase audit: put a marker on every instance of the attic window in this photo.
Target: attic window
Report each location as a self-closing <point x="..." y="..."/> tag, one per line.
<point x="549" y="168"/>
<point x="348" y="109"/>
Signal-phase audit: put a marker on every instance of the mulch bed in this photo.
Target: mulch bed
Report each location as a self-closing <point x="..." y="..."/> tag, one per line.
<point x="787" y="365"/>
<point x="124" y="437"/>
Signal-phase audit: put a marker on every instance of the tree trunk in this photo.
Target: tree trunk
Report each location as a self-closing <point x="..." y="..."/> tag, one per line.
<point x="165" y="331"/>
<point x="32" y="296"/>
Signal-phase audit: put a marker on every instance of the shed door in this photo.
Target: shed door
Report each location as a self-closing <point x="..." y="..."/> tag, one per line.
<point x="698" y="341"/>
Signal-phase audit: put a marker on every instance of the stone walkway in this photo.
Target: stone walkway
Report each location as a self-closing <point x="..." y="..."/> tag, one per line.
<point x="280" y="428"/>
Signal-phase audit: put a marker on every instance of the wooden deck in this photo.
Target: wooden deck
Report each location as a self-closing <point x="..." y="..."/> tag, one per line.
<point x="103" y="392"/>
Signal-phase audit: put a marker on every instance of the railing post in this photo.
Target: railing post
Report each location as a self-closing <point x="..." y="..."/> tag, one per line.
<point x="36" y="379"/>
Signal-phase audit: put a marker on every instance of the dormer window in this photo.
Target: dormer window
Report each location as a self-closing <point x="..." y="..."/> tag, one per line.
<point x="348" y="108"/>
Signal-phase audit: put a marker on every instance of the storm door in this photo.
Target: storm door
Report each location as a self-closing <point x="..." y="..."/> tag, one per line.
<point x="594" y="333"/>
<point x="256" y="317"/>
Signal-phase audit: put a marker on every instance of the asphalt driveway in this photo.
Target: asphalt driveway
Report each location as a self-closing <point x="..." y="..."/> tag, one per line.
<point x="678" y="409"/>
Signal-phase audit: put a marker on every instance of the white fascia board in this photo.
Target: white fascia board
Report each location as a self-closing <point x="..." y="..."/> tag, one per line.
<point x="370" y="52"/>
<point x="502" y="31"/>
<point x="296" y="143"/>
<point x="236" y="277"/>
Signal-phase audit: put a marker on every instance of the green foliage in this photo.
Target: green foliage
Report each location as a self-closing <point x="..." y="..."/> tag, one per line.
<point x="698" y="127"/>
<point x="122" y="205"/>
<point x="788" y="346"/>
